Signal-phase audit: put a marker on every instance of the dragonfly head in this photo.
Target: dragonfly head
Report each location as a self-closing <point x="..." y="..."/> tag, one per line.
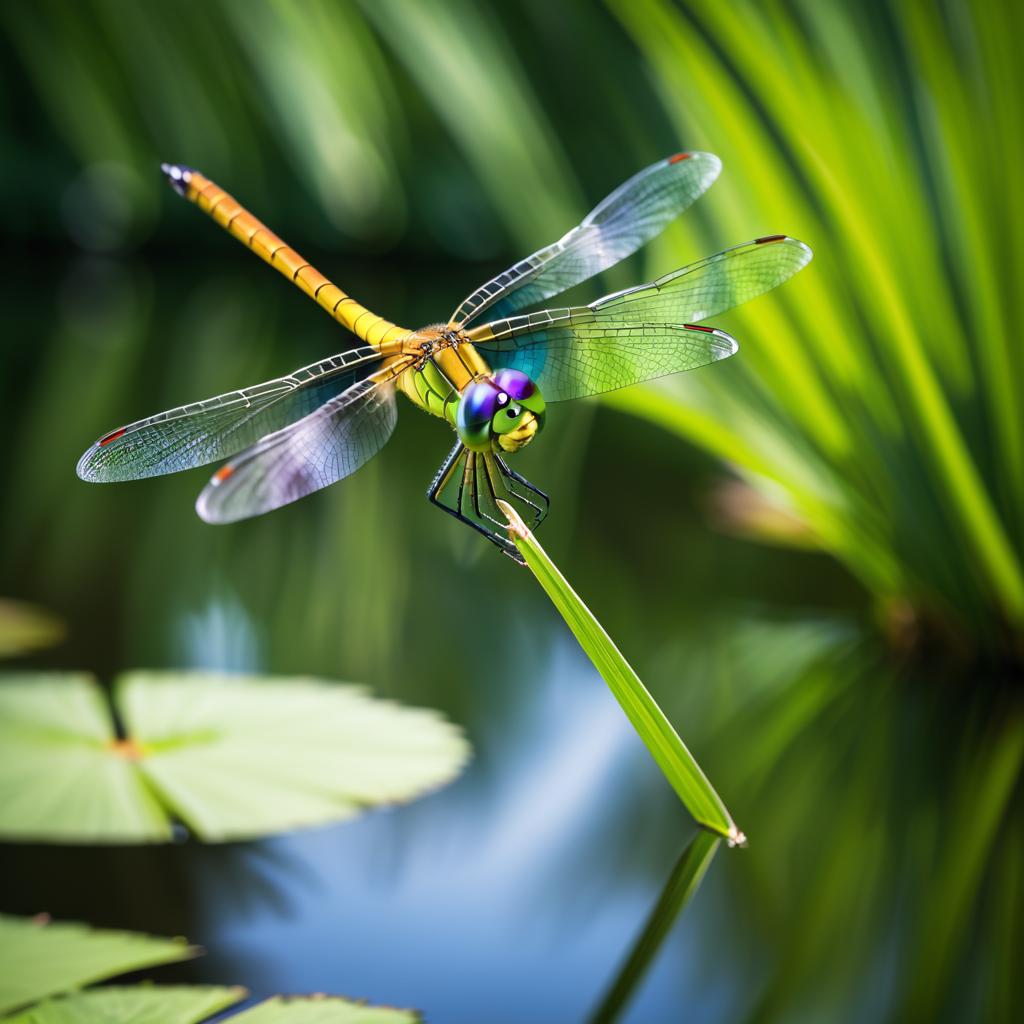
<point x="503" y="412"/>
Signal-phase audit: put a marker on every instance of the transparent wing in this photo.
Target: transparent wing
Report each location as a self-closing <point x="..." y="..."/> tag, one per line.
<point x="324" y="447"/>
<point x="203" y="432"/>
<point x="578" y="355"/>
<point x="643" y="332"/>
<point x="632" y="215"/>
<point x="713" y="285"/>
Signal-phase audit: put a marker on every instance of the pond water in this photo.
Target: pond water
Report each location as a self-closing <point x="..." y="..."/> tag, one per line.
<point x="517" y="892"/>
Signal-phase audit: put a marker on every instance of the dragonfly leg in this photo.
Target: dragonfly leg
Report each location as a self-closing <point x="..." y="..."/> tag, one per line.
<point x="467" y="472"/>
<point x="474" y="490"/>
<point x="488" y="476"/>
<point x="540" y="510"/>
<point x="444" y="474"/>
<point x="444" y="477"/>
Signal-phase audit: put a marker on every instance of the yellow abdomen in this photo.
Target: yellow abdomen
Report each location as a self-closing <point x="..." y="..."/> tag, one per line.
<point x="234" y="218"/>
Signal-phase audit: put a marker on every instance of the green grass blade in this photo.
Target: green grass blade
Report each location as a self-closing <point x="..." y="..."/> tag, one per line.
<point x="681" y="885"/>
<point x="668" y="750"/>
<point x="888" y="331"/>
<point x="523" y="148"/>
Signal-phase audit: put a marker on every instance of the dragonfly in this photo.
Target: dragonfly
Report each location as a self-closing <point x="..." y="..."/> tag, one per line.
<point x="490" y="371"/>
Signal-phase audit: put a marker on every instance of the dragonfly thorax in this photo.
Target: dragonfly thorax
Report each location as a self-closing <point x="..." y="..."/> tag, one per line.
<point x="500" y="413"/>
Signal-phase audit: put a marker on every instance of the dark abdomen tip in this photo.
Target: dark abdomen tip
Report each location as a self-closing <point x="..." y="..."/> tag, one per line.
<point x="177" y="176"/>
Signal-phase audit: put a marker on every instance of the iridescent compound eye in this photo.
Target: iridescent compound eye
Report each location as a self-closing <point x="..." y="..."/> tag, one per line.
<point x="504" y="412"/>
<point x="524" y="393"/>
<point x="515" y="383"/>
<point x="477" y="407"/>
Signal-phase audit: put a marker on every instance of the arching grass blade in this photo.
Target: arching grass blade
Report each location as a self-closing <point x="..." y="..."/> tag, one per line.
<point x="668" y="750"/>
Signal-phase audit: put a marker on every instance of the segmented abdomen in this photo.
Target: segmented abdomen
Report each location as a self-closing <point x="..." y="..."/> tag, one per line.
<point x="250" y="231"/>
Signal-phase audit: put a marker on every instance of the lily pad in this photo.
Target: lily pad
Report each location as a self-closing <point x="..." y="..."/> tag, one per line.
<point x="39" y="959"/>
<point x="147" y="1004"/>
<point x="134" y="1004"/>
<point x="322" y="1010"/>
<point x="230" y="757"/>
<point x="25" y="628"/>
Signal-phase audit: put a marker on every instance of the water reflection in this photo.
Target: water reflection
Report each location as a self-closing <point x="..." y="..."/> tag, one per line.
<point x="516" y="893"/>
<point x="505" y="893"/>
<point x="219" y="637"/>
<point x="680" y="886"/>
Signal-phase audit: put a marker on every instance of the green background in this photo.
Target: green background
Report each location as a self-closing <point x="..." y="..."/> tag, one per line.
<point x="852" y="687"/>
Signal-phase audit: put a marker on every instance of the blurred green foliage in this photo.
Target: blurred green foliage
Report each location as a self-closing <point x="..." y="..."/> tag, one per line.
<point x="877" y="396"/>
<point x="874" y="409"/>
<point x="24" y="628"/>
<point x="884" y="406"/>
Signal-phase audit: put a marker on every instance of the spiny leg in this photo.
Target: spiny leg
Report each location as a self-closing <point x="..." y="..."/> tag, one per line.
<point x="444" y="475"/>
<point x="489" y="475"/>
<point x="441" y="480"/>
<point x="498" y="538"/>
<point x="474" y="490"/>
<point x="506" y="545"/>
<point x="500" y="484"/>
<point x="492" y="479"/>
<point x="540" y="511"/>
<point x="466" y="472"/>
